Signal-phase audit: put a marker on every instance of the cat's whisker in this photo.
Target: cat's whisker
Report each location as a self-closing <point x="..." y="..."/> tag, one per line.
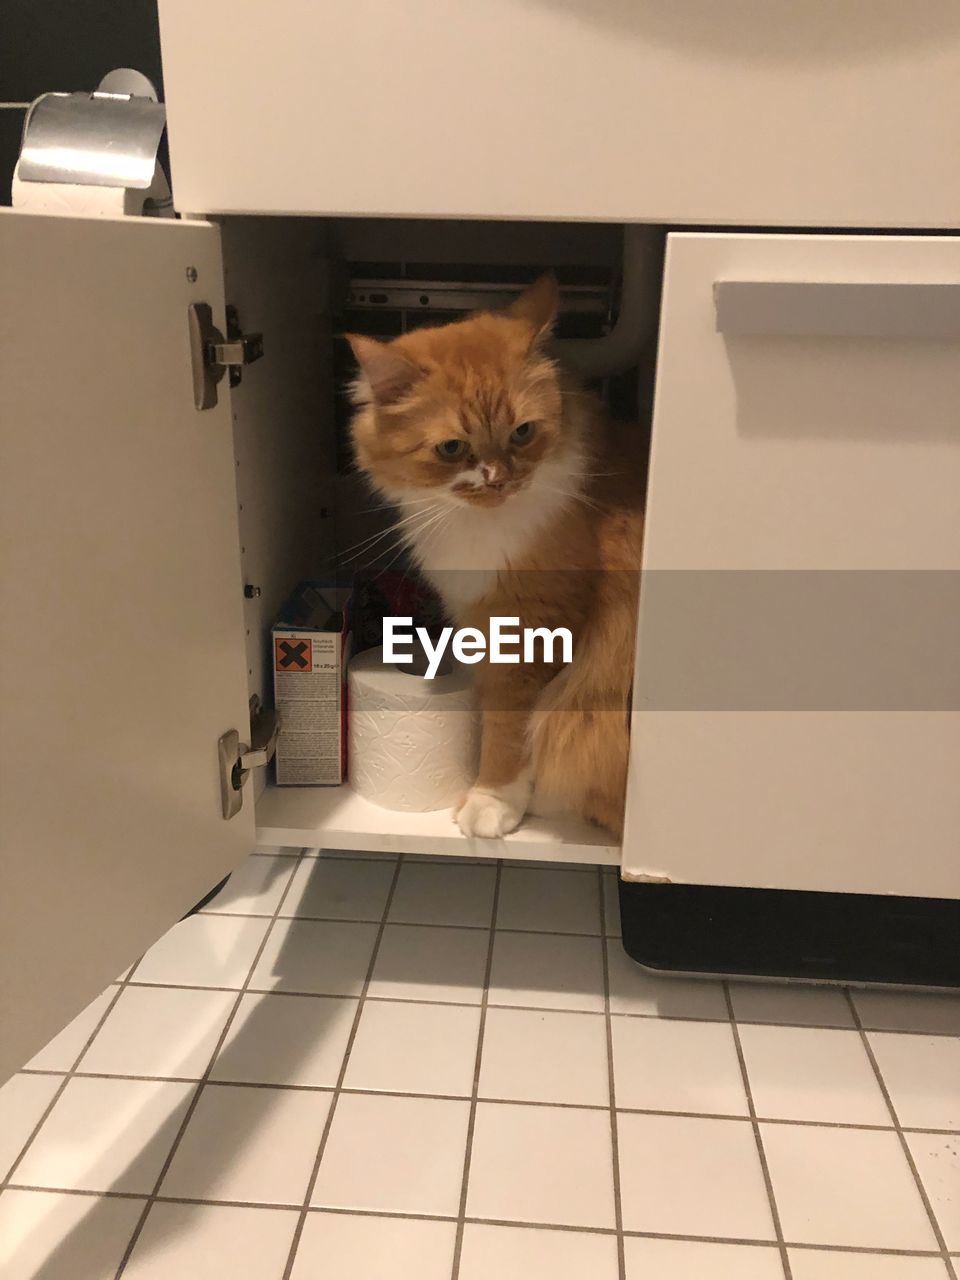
<point x="436" y="530"/>
<point x="403" y="502"/>
<point x="433" y="529"/>
<point x="365" y="545"/>
<point x="365" y="552"/>
<point x="575" y="496"/>
<point x="397" y="546"/>
<point x="368" y="543"/>
<point x="406" y="530"/>
<point x="436" y="519"/>
<point x="372" y="509"/>
<point x="411" y="502"/>
<point x="447" y="515"/>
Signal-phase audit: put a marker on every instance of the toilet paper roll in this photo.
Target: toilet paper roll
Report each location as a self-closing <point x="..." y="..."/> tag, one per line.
<point x="90" y="201"/>
<point x="413" y="742"/>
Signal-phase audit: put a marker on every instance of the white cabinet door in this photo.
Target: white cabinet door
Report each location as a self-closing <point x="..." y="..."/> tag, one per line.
<point x="121" y="657"/>
<point x="797" y="710"/>
<point x="817" y="113"/>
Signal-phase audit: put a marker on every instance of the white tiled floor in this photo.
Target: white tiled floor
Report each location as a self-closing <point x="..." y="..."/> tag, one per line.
<point x="159" y="1031"/>
<point x="545" y="1055"/>
<point x="547" y="971"/>
<point x="373" y="1248"/>
<point x="106" y="1135"/>
<point x="212" y="1241"/>
<point x="63" y="1050"/>
<point x="432" y="893"/>
<point x="542" y="1164"/>
<point x="845" y="1186"/>
<point x="394" y="1155"/>
<point x="340" y="1069"/>
<point x="414" y="1048"/>
<point x="420" y="962"/>
<point x="692" y="1176"/>
<point x="519" y="1253"/>
<point x="662" y="1065"/>
<point x="812" y="1073"/>
<point x="549" y="901"/>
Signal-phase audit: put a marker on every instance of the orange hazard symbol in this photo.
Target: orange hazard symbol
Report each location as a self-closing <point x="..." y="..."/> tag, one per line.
<point x="292" y="655"/>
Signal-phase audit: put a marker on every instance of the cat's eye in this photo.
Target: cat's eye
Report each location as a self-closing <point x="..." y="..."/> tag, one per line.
<point x="522" y="434"/>
<point x="450" y="449"/>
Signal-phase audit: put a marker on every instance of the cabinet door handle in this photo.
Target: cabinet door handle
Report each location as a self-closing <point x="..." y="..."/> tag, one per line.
<point x="837" y="309"/>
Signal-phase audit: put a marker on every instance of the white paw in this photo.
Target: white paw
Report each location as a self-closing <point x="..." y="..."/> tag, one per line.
<point x="492" y="813"/>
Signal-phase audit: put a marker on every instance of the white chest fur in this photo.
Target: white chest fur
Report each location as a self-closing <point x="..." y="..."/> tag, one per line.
<point x="471" y="545"/>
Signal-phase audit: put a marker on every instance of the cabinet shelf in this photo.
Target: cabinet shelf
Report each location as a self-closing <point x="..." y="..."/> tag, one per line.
<point x="338" y="818"/>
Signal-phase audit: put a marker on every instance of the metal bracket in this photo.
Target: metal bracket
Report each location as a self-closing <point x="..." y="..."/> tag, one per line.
<point x="237" y="760"/>
<point x="231" y="782"/>
<point x="264" y="731"/>
<point x="212" y="354"/>
<point x="239" y="349"/>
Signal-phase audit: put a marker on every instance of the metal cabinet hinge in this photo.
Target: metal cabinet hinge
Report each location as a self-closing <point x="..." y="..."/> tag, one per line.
<point x="237" y="760"/>
<point x="212" y="354"/>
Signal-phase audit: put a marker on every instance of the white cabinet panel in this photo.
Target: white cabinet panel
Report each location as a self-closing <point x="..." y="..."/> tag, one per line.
<point x="817" y="113"/>
<point x="121" y="641"/>
<point x="797" y="713"/>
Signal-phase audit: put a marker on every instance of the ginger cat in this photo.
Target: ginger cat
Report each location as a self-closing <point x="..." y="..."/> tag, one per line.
<point x="517" y="498"/>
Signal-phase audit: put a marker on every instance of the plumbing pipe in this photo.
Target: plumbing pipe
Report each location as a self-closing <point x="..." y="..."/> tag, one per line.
<point x="636" y="324"/>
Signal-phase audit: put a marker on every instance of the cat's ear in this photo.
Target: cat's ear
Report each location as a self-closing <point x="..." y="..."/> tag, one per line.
<point x="537" y="306"/>
<point x="385" y="373"/>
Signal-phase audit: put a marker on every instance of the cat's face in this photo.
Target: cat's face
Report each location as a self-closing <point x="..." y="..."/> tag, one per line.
<point x="467" y="412"/>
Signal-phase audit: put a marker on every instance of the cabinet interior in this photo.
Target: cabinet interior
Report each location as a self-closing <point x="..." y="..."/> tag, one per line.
<point x="304" y="512"/>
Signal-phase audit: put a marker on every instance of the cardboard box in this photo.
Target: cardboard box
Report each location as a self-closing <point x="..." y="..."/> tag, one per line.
<point x="311" y="641"/>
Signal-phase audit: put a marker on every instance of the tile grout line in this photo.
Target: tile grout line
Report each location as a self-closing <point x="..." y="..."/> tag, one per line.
<point x="611" y="1083"/>
<point x="341" y="1075"/>
<point x="758" y="1137"/>
<point x="109" y="1194"/>
<point x="904" y="1145"/>
<point x="410" y="1000"/>
<point x="288" y="1207"/>
<point x="403" y="924"/>
<point x="295" y="1087"/>
<point x="532" y="1008"/>
<point x="70" y="1075"/>
<point x="203" y="1081"/>
<point x="475" y="1091"/>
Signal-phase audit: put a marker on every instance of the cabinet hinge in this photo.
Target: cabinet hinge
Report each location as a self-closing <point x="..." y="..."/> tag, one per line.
<point x="212" y="354"/>
<point x="237" y="760"/>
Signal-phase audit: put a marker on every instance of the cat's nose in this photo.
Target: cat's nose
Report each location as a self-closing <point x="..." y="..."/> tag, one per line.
<point x="495" y="475"/>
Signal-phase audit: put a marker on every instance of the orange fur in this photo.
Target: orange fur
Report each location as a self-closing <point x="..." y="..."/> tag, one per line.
<point x="554" y="522"/>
